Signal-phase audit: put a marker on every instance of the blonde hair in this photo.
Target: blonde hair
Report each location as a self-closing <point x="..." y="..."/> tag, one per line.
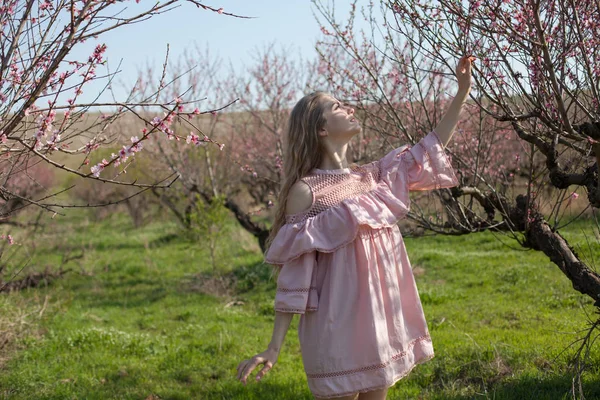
<point x="302" y="151"/>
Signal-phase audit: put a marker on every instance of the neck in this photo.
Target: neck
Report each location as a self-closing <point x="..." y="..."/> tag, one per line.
<point x="335" y="156"/>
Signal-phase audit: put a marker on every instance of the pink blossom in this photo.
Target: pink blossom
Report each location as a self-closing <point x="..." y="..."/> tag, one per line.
<point x="220" y="10"/>
<point x="96" y="57"/>
<point x="96" y="169"/>
<point x="475" y="4"/>
<point x="47" y="4"/>
<point x="192" y="137"/>
<point x="90" y="146"/>
<point x="54" y="139"/>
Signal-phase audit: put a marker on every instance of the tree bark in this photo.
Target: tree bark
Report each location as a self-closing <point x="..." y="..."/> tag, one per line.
<point x="258" y="230"/>
<point x="540" y="236"/>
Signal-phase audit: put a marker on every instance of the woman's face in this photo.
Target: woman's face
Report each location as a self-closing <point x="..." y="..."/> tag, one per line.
<point x="340" y="120"/>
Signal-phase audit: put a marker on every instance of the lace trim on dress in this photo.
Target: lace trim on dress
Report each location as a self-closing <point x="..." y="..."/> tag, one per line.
<point x="295" y="310"/>
<point x="332" y="171"/>
<point x="295" y="290"/>
<point x="333" y="187"/>
<point x="385" y="385"/>
<point x="395" y="357"/>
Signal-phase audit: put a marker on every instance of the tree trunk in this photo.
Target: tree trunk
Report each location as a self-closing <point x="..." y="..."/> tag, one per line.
<point x="258" y="230"/>
<point x="541" y="237"/>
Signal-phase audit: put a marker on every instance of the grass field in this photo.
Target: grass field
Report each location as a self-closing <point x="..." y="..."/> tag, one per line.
<point x="137" y="318"/>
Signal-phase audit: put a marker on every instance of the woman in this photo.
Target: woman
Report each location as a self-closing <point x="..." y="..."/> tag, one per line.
<point x="343" y="264"/>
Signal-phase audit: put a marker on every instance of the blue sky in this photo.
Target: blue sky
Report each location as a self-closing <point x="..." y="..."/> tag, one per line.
<point x="287" y="23"/>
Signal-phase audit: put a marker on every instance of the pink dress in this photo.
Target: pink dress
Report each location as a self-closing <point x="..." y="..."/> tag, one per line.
<point x="344" y="267"/>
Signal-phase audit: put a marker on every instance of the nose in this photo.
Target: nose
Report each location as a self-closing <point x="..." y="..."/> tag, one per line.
<point x="350" y="110"/>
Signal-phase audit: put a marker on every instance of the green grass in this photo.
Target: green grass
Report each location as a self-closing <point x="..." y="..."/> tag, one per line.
<point x="130" y="320"/>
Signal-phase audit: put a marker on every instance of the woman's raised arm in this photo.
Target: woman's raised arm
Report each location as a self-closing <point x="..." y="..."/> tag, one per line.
<point x="446" y="126"/>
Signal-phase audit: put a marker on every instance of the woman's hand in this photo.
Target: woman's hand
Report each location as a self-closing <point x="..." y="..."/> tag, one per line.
<point x="267" y="357"/>
<point x="463" y="73"/>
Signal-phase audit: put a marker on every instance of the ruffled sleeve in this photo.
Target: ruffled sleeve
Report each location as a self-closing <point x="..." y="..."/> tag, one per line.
<point x="296" y="290"/>
<point x="424" y="166"/>
<point x="335" y="227"/>
<point x="421" y="167"/>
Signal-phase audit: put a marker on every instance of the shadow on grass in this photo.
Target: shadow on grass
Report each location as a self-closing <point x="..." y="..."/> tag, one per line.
<point x="134" y="297"/>
<point x="124" y="387"/>
<point x="256" y="391"/>
<point x="550" y="388"/>
<point x="164" y="240"/>
<point x="243" y="279"/>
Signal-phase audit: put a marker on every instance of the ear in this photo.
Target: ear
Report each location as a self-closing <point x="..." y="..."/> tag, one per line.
<point x="323" y="132"/>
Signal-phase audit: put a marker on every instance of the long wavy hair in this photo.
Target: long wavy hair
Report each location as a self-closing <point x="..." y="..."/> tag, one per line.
<point x="302" y="151"/>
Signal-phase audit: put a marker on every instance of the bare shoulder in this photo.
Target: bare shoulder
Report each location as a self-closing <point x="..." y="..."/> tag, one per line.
<point x="299" y="199"/>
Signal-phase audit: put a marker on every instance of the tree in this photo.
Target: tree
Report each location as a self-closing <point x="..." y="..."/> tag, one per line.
<point x="416" y="49"/>
<point x="36" y="76"/>
<point x="261" y="96"/>
<point x="536" y="78"/>
<point x="46" y="129"/>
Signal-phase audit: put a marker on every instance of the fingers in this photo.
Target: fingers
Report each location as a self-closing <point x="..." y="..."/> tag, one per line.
<point x="247" y="369"/>
<point x="240" y="368"/>
<point x="464" y="64"/>
<point x="264" y="370"/>
<point x="244" y="369"/>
